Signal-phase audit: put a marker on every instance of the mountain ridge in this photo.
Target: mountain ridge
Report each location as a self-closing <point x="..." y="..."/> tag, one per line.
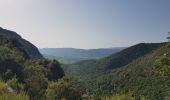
<point x="120" y="58"/>
<point x="31" y="49"/>
<point x="138" y="76"/>
<point x="80" y="53"/>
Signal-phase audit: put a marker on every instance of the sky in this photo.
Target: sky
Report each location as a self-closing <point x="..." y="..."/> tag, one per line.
<point x="87" y="23"/>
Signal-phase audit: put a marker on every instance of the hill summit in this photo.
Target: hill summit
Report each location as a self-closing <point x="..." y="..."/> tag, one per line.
<point x="31" y="50"/>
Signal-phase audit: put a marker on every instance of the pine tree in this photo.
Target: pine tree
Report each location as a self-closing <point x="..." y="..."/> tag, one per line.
<point x="168" y="37"/>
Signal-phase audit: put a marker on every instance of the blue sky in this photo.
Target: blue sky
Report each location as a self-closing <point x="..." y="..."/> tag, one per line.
<point x="87" y="23"/>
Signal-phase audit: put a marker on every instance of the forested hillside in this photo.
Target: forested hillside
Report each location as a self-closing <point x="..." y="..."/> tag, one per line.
<point x="25" y="78"/>
<point x="140" y="72"/>
<point x="141" y="78"/>
<point x="116" y="60"/>
<point x="31" y="50"/>
<point x="133" y="71"/>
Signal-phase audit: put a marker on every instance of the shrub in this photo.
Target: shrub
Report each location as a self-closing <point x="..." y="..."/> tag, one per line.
<point x="14" y="96"/>
<point x="35" y="83"/>
<point x="14" y="84"/>
<point x="3" y="87"/>
<point x="119" y="97"/>
<point x="67" y="88"/>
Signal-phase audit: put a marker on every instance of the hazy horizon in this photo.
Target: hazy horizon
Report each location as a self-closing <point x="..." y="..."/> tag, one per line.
<point x="87" y="24"/>
<point x="80" y="48"/>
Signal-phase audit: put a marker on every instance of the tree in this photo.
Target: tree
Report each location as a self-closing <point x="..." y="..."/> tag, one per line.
<point x="35" y="82"/>
<point x="53" y="67"/>
<point x="168" y="36"/>
<point x="7" y="75"/>
<point x="67" y="88"/>
<point x="163" y="62"/>
<point x="15" y="85"/>
<point x="55" y="70"/>
<point x="163" y="66"/>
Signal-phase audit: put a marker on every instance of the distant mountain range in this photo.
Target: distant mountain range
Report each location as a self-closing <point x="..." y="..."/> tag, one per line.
<point x="73" y="54"/>
<point x="31" y="50"/>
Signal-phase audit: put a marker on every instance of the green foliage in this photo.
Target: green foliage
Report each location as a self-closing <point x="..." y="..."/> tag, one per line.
<point x="168" y="45"/>
<point x="52" y="68"/>
<point x="140" y="69"/>
<point x="30" y="49"/>
<point x="168" y="37"/>
<point x="24" y="74"/>
<point x="163" y="65"/>
<point x="120" y="97"/>
<point x="94" y="67"/>
<point x="35" y="82"/>
<point x="15" y="85"/>
<point x="12" y="57"/>
<point x="55" y="71"/>
<point x="14" y="96"/>
<point x="3" y="88"/>
<point x="7" y="75"/>
<point x="138" y="76"/>
<point x="7" y="94"/>
<point x="123" y="97"/>
<point x="67" y="88"/>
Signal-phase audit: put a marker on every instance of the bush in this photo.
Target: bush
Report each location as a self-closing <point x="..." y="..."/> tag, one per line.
<point x="35" y="83"/>
<point x="14" y="96"/>
<point x="3" y="88"/>
<point x="66" y="88"/>
<point x="55" y="70"/>
<point x="7" y="75"/>
<point x="163" y="66"/>
<point x="6" y="94"/>
<point x="14" y="84"/>
<point x="128" y="96"/>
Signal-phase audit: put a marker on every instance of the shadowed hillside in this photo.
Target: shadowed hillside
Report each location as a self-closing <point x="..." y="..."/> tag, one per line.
<point x="29" y="47"/>
<point x="22" y="73"/>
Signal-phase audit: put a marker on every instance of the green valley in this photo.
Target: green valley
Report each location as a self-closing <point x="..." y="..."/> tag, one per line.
<point x="139" y="72"/>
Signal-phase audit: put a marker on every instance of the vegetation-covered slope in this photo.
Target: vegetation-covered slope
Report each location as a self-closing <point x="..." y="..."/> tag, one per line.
<point x="6" y="93"/>
<point x="137" y="76"/>
<point x="12" y="56"/>
<point x="140" y="72"/>
<point x="23" y="73"/>
<point x="141" y="78"/>
<point x="117" y="60"/>
<point x="31" y="50"/>
<point x="128" y="55"/>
